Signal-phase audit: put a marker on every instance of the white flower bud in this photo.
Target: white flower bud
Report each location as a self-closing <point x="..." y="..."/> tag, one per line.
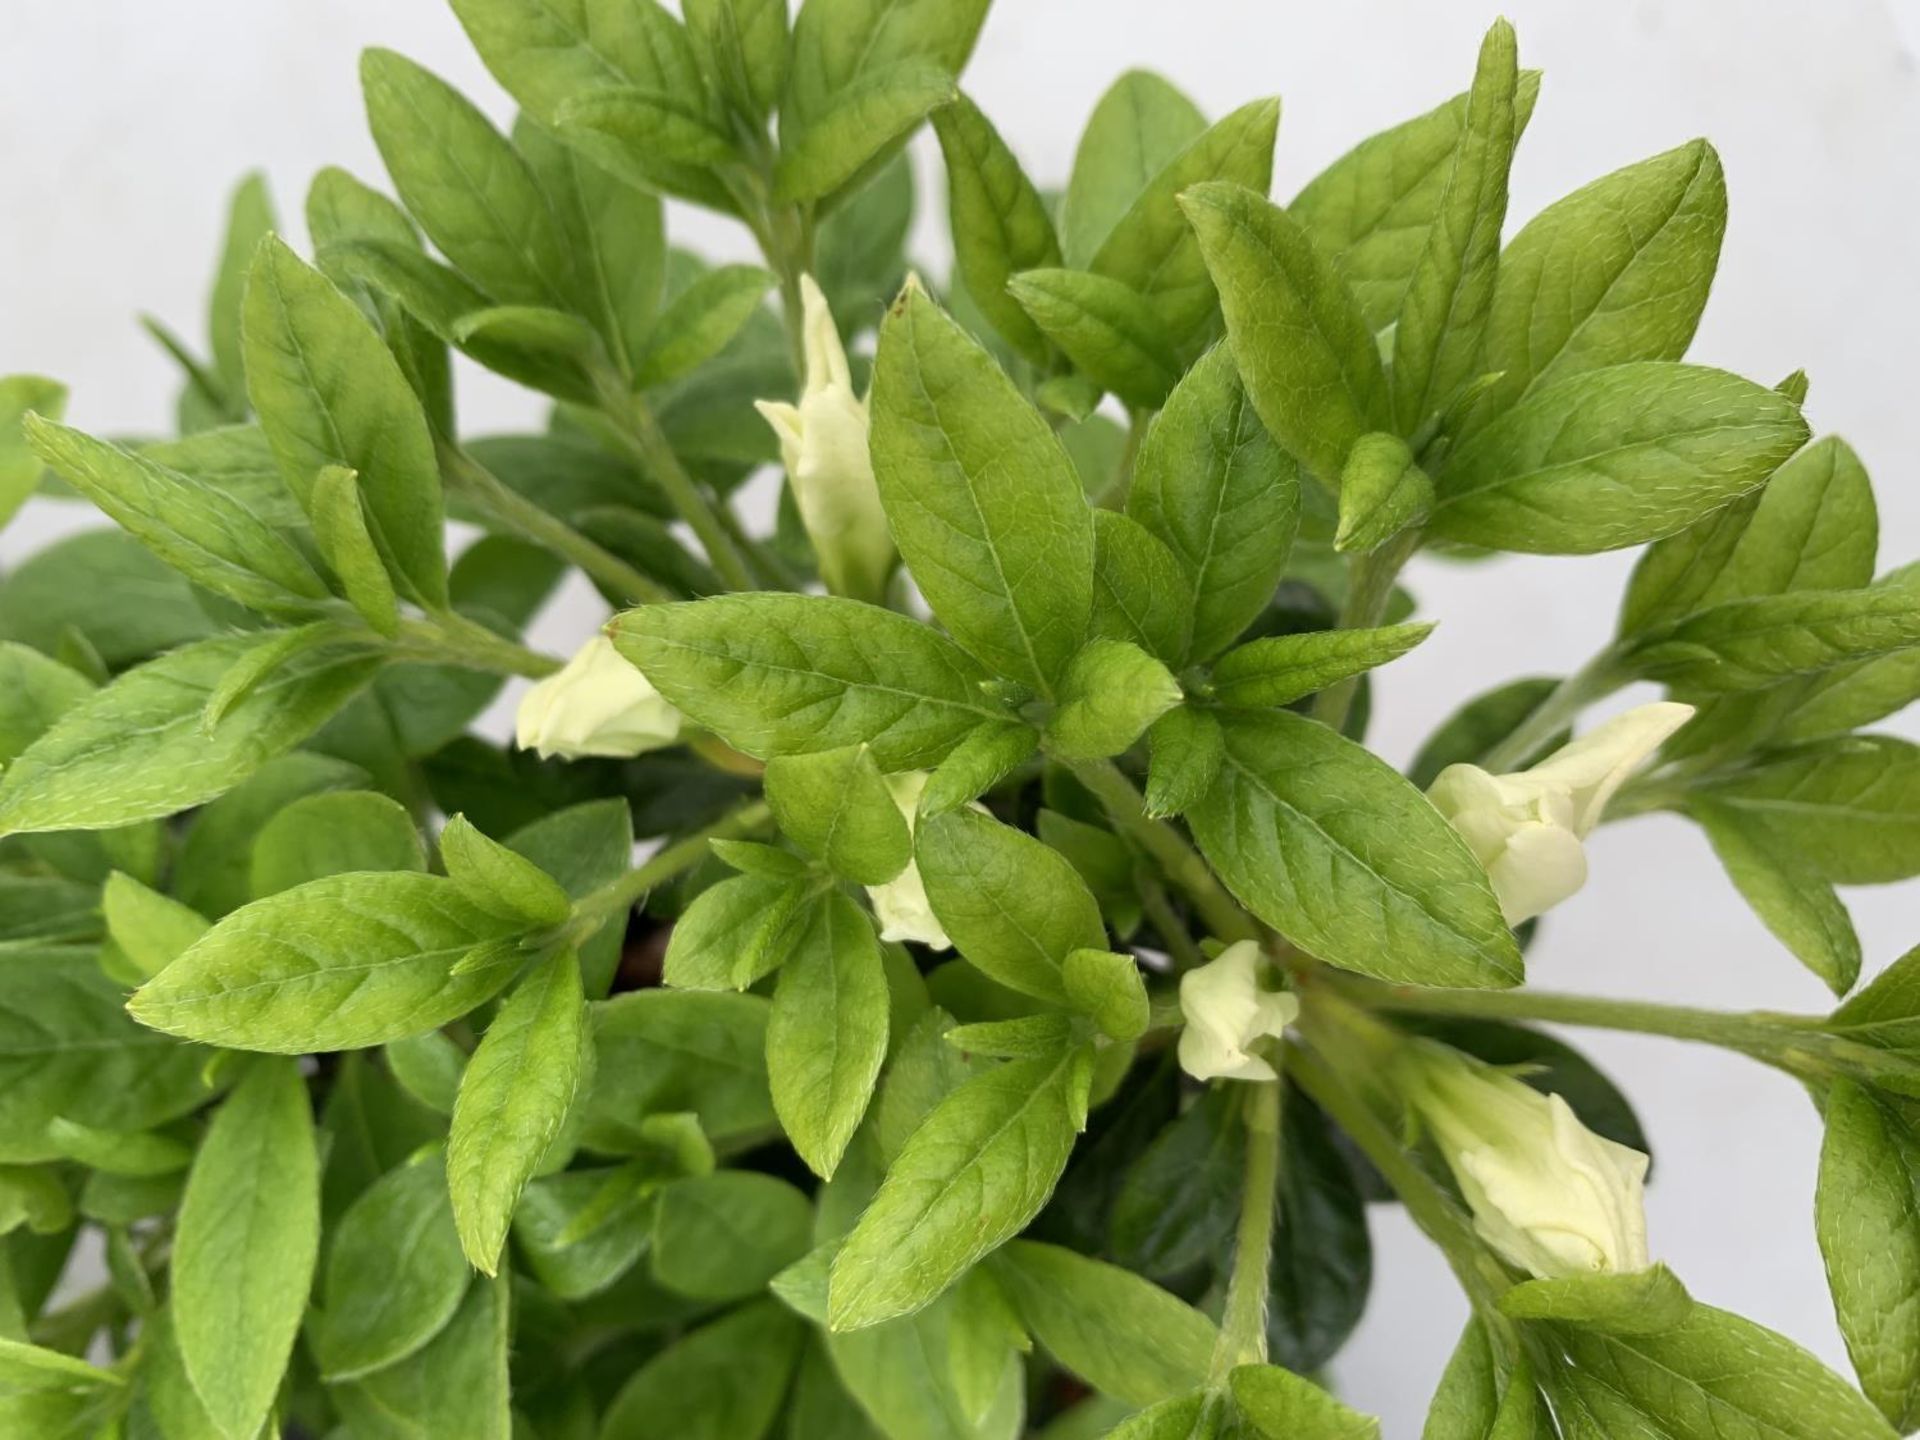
<point x="1547" y="1194"/>
<point x="1226" y="1012"/>
<point x="823" y="443"/>
<point x="1526" y="828"/>
<point x="901" y="904"/>
<point x="597" y="704"/>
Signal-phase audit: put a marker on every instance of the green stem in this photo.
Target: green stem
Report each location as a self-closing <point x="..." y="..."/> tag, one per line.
<point x="1595" y="680"/>
<point x="450" y="638"/>
<point x="1183" y="865"/>
<point x="618" y="896"/>
<point x="639" y="431"/>
<point x="1243" y="1321"/>
<point x="513" y="512"/>
<point x="1159" y="909"/>
<point x="1432" y="1209"/>
<point x="1369" y="588"/>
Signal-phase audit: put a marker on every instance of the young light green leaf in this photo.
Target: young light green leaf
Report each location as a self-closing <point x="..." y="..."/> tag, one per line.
<point x="1152" y="249"/>
<point x="1814" y="526"/>
<point x="428" y="1067"/>
<point x="701" y="321"/>
<point x="1211" y="483"/>
<point x="250" y="220"/>
<point x="244" y="1253"/>
<point x="119" y="1152"/>
<point x="513" y="1097"/>
<point x="20" y="396"/>
<point x="862" y="121"/>
<point x="1186" y="748"/>
<point x="395" y="1274"/>
<point x="1106" y="328"/>
<point x="1614" y="457"/>
<point x="334" y="834"/>
<point x="1870" y="1239"/>
<point x="723" y="1236"/>
<point x="792" y="675"/>
<point x="1755" y="644"/>
<point x="835" y="804"/>
<point x="1280" y="1405"/>
<point x="1284" y="668"/>
<point x="1335" y="850"/>
<point x="1124" y="1336"/>
<point x="1111" y="692"/>
<point x="1000" y="222"/>
<point x="1139" y="125"/>
<point x="724" y="1381"/>
<point x="328" y="392"/>
<point x="1299" y="341"/>
<point x="151" y="929"/>
<point x="1382" y="492"/>
<point x="336" y="964"/>
<point x="340" y="530"/>
<point x="827" y="1032"/>
<point x="135" y="749"/>
<point x="1140" y="590"/>
<point x="742" y="46"/>
<point x="984" y="503"/>
<point x="206" y="534"/>
<point x="737" y="931"/>
<point x="1803" y="912"/>
<point x="1109" y="988"/>
<point x="986" y="757"/>
<point x="835" y="42"/>
<point x="975" y="1172"/>
<point x="1617" y="271"/>
<point x="1850" y="696"/>
<point x="1636" y="1302"/>
<point x="1437" y="336"/>
<point x="498" y="879"/>
<point x="636" y="131"/>
<point x="1014" y="907"/>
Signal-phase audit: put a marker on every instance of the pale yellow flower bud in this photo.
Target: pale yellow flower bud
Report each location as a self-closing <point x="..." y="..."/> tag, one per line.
<point x="1547" y="1194"/>
<point x="1526" y="828"/>
<point x="596" y="705"/>
<point x="1226" y="1011"/>
<point x="901" y="904"/>
<point x="823" y="443"/>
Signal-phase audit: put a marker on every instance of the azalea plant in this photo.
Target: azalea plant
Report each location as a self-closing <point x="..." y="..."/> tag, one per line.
<point x="941" y="962"/>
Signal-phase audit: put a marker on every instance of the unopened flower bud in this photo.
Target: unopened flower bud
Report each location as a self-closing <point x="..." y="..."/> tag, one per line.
<point x="1227" y="1011"/>
<point x="595" y="705"/>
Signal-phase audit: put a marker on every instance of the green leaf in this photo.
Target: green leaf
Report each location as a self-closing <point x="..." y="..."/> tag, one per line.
<point x="661" y="1051"/>
<point x="208" y="536"/>
<point x="1000" y="222"/>
<point x="499" y="880"/>
<point x="742" y="46"/>
<point x="584" y="847"/>
<point x="1211" y="483"/>
<point x="1614" y="457"/>
<point x="250" y="219"/>
<point x="395" y="1274"/>
<point x="1848" y="808"/>
<point x="20" y="396"/>
<point x="328" y="392"/>
<point x="428" y="1067"/>
<point x="1639" y="1302"/>
<point x="737" y="931"/>
<point x="466" y="184"/>
<point x="723" y="1236"/>
<point x="46" y="1393"/>
<point x="1139" y="125"/>
<point x="1326" y="843"/>
<point x="1111" y="692"/>
<point x="976" y="1171"/>
<point x="1284" y="668"/>
<point x="1280" y="1405"/>
<point x="1371" y="209"/>
<point x="1124" y="1336"/>
<point x="1151" y="247"/>
<point x="1177" y="1202"/>
<point x="1299" y="340"/>
<point x="981" y="761"/>
<point x="701" y="321"/>
<point x="1013" y="906"/>
<point x="1108" y="988"/>
<point x="1803" y="913"/>
<point x="1443" y="316"/>
<point x="1106" y="328"/>
<point x="1754" y="644"/>
<point x="835" y="804"/>
<point x="340" y="530"/>
<point x="119" y="1152"/>
<point x="334" y="834"/>
<point x="151" y="929"/>
<point x="875" y="109"/>
<point x="135" y="749"/>
<point x="1140" y="590"/>
<point x="1868" y="1221"/>
<point x="1698" y="1380"/>
<point x="1382" y="492"/>
<point x="827" y="1033"/>
<point x="1466" y="736"/>
<point x="792" y="675"/>
<point x="336" y="964"/>
<point x="1472" y="1403"/>
<point x="835" y="42"/>
<point x="1186" y="748"/>
<point x="724" y="1381"/>
<point x="515" y="1093"/>
<point x="244" y="1253"/>
<point x="1322" y="1265"/>
<point x="546" y="53"/>
<point x="459" y="1381"/>
<point x="984" y="503"/>
<point x="1617" y="271"/>
<point x="636" y="130"/>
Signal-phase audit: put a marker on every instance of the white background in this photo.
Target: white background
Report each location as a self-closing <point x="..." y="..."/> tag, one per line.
<point x="123" y="123"/>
